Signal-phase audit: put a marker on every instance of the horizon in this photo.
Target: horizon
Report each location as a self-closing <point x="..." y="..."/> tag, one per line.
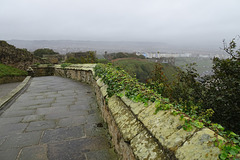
<point x="66" y="46"/>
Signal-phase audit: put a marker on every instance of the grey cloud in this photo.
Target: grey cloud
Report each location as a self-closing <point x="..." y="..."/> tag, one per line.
<point x="171" y="21"/>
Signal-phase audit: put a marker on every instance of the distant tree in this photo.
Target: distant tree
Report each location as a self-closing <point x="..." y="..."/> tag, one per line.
<point x="158" y="80"/>
<point x="82" y="57"/>
<point x="44" y="51"/>
<point x="92" y="57"/>
<point x="72" y="60"/>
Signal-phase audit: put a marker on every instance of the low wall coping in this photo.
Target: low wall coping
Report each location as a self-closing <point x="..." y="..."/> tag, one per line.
<point x="6" y="99"/>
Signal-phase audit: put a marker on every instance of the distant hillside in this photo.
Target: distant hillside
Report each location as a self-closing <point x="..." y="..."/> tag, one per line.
<point x="143" y="68"/>
<point x="18" y="58"/>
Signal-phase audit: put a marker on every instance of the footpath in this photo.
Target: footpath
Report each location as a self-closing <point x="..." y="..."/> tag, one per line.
<point x="54" y="119"/>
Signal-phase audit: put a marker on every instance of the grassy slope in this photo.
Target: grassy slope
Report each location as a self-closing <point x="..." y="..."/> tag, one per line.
<point x="10" y="71"/>
<point x="203" y="64"/>
<point x="143" y="68"/>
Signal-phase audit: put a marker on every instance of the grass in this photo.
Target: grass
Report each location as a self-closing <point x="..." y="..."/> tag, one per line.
<point x="11" y="71"/>
<point x="203" y="64"/>
<point x="143" y="68"/>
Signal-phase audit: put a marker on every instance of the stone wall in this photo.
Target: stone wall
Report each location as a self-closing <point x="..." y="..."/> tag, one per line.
<point x="42" y="70"/>
<point x="138" y="133"/>
<point x="11" y="79"/>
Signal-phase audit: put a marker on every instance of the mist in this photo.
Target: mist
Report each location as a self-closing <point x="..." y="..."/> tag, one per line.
<point x="185" y="23"/>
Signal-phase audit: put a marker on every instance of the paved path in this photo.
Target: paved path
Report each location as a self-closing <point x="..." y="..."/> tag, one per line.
<point x="8" y="87"/>
<point x="55" y="119"/>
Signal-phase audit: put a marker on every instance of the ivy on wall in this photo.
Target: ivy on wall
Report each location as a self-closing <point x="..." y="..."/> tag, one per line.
<point x="118" y="80"/>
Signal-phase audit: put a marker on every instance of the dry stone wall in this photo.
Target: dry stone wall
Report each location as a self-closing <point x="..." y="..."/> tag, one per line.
<point x="138" y="133"/>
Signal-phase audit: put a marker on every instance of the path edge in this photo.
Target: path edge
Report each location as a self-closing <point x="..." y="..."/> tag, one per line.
<point x="6" y="100"/>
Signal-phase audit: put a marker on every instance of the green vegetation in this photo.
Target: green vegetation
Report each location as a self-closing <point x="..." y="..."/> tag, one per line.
<point x="65" y="65"/>
<point x="81" y="57"/>
<point x="11" y="71"/>
<point x="216" y="96"/>
<point x="112" y="56"/>
<point x="118" y="80"/>
<point x="104" y="61"/>
<point x="202" y="64"/>
<point x="44" y="51"/>
<point x="143" y="69"/>
<point x="222" y="93"/>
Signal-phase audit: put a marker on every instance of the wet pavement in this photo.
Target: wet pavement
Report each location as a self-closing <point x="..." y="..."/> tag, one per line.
<point x="8" y="87"/>
<point x="55" y="119"/>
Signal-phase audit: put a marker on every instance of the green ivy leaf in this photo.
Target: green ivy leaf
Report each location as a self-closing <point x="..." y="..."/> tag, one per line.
<point x="223" y="156"/>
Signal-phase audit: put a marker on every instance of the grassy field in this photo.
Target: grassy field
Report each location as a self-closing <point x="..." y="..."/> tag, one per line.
<point x="143" y="68"/>
<point x="203" y="64"/>
<point x="10" y="71"/>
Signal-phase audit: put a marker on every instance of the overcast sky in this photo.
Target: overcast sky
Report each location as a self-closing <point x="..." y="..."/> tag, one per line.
<point x="182" y="22"/>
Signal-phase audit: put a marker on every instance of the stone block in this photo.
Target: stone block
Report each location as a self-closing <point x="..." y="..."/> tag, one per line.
<point x="36" y="152"/>
<point x="149" y="111"/>
<point x="166" y="127"/>
<point x="102" y="155"/>
<point x="100" y="82"/>
<point x="103" y="90"/>
<point x="60" y="134"/>
<point x="32" y="118"/>
<point x="137" y="108"/>
<point x="9" y="154"/>
<point x="126" y="150"/>
<point x="21" y="140"/>
<point x="178" y="138"/>
<point x="83" y="76"/>
<point x="41" y="125"/>
<point x="200" y="146"/>
<point x="79" y="75"/>
<point x="144" y="147"/>
<point x="126" y="100"/>
<point x="127" y="123"/>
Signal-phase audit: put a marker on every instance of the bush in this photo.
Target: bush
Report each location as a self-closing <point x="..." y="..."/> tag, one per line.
<point x="223" y="89"/>
<point x="44" y="51"/>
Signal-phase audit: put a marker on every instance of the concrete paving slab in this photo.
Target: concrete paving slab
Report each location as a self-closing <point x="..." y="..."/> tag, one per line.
<point x="72" y="121"/>
<point x="61" y="134"/>
<point x="32" y="118"/>
<point x="37" y="152"/>
<point x="21" y="140"/>
<point x="9" y="154"/>
<point x="51" y="110"/>
<point x="10" y="120"/>
<point x="102" y="154"/>
<point x="74" y="149"/>
<point x="41" y="125"/>
<point x="55" y="118"/>
<point x="17" y="113"/>
<point x="7" y="129"/>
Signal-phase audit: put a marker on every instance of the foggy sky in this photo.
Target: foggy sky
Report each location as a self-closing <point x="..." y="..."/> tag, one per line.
<point x="179" y="22"/>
